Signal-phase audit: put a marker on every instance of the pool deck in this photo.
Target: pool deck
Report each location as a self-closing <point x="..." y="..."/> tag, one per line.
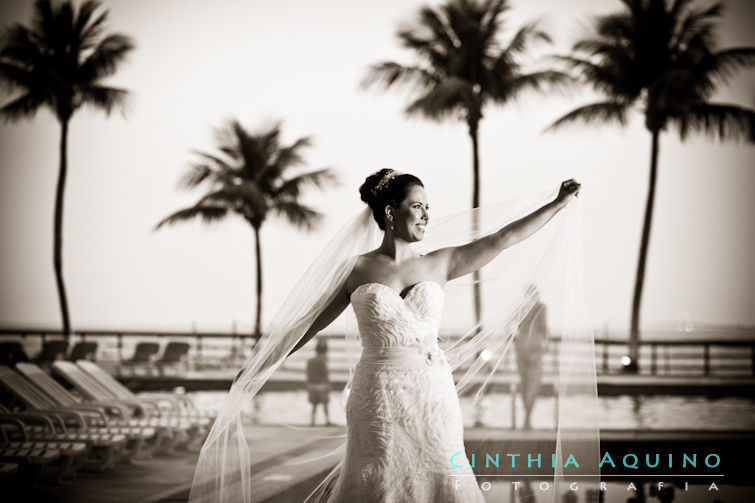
<point x="278" y="478"/>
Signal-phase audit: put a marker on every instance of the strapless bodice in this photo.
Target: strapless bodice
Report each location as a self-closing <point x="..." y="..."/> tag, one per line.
<point x="392" y="327"/>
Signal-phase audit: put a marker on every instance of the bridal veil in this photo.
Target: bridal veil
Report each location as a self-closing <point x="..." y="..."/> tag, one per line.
<point x="494" y="359"/>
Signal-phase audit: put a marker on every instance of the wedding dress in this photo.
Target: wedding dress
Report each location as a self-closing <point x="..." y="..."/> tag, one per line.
<point x="404" y="422"/>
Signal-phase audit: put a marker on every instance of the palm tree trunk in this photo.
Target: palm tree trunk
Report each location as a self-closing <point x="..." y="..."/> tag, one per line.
<point x="634" y="331"/>
<point x="473" y="134"/>
<point x="58" y="231"/>
<point x="258" y="252"/>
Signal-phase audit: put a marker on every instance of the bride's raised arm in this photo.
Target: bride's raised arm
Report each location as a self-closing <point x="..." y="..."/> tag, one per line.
<point x="326" y="317"/>
<point x="465" y="259"/>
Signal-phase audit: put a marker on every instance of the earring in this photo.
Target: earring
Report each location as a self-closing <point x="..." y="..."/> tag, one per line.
<point x="390" y="219"/>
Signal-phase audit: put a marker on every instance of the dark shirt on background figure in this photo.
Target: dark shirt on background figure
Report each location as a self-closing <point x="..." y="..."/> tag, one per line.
<point x="318" y="383"/>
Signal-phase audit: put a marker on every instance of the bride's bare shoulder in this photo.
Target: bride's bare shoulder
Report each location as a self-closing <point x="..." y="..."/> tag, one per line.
<point x="372" y="258"/>
<point x="365" y="267"/>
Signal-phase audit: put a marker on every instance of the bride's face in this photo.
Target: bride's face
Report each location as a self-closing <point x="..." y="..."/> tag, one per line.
<point x="411" y="217"/>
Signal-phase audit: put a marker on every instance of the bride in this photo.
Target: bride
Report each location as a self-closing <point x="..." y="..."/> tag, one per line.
<point x="403" y="410"/>
<point x="404" y="424"/>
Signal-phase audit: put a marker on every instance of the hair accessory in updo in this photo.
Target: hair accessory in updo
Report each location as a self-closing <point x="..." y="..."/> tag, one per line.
<point x="384" y="182"/>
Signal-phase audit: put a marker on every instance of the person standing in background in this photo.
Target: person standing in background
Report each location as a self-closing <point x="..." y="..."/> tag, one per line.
<point x="531" y="343"/>
<point x="318" y="383"/>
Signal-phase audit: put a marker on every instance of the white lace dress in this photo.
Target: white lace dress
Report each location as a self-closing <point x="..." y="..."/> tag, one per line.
<point x="403" y="415"/>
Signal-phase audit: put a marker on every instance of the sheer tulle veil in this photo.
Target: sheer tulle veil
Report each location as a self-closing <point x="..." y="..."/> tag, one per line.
<point x="542" y="274"/>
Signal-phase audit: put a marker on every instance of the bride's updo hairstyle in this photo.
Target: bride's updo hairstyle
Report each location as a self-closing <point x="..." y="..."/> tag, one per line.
<point x="386" y="187"/>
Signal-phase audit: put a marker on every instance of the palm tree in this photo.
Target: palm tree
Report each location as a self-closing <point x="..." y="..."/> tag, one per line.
<point x="60" y="63"/>
<point x="660" y="57"/>
<point x="250" y="177"/>
<point x="461" y="67"/>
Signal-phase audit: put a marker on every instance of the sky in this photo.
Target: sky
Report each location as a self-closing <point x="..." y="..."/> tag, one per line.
<point x="198" y="64"/>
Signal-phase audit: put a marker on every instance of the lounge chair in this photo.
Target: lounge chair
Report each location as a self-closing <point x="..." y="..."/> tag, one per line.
<point x="183" y="427"/>
<point x="31" y="462"/>
<point x="180" y="404"/>
<point x="174" y="356"/>
<point x="17" y="428"/>
<point x="144" y="354"/>
<point x="53" y="350"/>
<point x="12" y="352"/>
<point x="70" y="424"/>
<point x="83" y="351"/>
<point x="146" y="434"/>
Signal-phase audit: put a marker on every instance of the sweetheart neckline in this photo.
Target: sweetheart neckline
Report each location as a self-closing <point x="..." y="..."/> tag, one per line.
<point x="398" y="294"/>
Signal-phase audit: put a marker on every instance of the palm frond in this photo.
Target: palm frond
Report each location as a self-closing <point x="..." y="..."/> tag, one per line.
<point x="598" y="46"/>
<point x="613" y="27"/>
<point x="537" y="81"/>
<point x="105" y="58"/>
<point x="440" y="33"/>
<point x="43" y="22"/>
<point x="293" y="187"/>
<point x="432" y="39"/>
<point x="297" y="214"/>
<point x="491" y="24"/>
<point x="674" y="90"/>
<point x="236" y="196"/>
<point x="106" y="98"/>
<point x="208" y="214"/>
<point x="724" y="63"/>
<point x="197" y="174"/>
<point x="389" y="73"/>
<point x="212" y="168"/>
<point x="86" y="31"/>
<point x="448" y="97"/>
<point x="215" y="160"/>
<point x="696" y="27"/>
<point x="286" y="158"/>
<point x="725" y="121"/>
<point x="25" y="105"/>
<point x="16" y="76"/>
<point x="611" y="79"/>
<point x="607" y="111"/>
<point x="525" y="36"/>
<point x="678" y="7"/>
<point x="19" y="46"/>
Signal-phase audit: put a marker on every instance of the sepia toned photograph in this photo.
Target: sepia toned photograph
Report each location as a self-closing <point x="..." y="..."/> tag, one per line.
<point x="416" y="251"/>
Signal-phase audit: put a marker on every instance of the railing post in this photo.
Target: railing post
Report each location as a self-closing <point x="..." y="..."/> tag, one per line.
<point x="653" y="357"/>
<point x="606" y="347"/>
<point x="198" y="359"/>
<point x="119" y="338"/>
<point x="605" y="356"/>
<point x="706" y="359"/>
<point x="513" y="388"/>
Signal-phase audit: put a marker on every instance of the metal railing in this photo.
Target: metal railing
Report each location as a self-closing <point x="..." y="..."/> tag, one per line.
<point x="705" y="357"/>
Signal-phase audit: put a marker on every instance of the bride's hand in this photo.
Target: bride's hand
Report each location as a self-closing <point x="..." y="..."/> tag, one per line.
<point x="568" y="191"/>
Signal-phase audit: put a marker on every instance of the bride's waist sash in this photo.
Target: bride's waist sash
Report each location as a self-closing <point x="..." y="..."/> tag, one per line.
<point x="400" y="355"/>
